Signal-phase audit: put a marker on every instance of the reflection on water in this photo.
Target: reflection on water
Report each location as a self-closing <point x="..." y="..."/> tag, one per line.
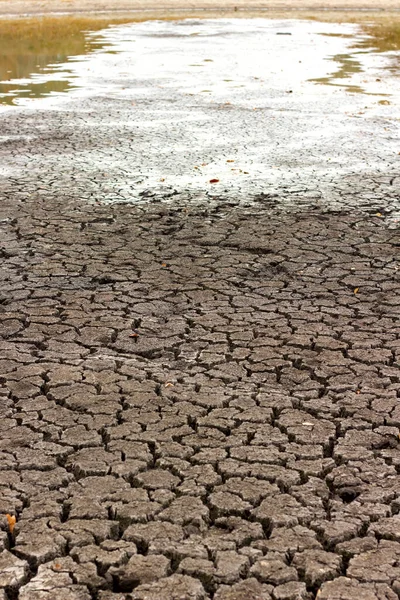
<point x="33" y="49"/>
<point x="32" y="90"/>
<point x="348" y="65"/>
<point x="384" y="38"/>
<point x="34" y="53"/>
<point x="379" y="38"/>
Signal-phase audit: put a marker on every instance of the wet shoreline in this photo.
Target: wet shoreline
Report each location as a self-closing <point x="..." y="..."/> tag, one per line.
<point x="178" y="86"/>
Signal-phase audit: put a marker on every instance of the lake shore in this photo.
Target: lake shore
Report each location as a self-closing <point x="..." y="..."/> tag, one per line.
<point x="176" y="8"/>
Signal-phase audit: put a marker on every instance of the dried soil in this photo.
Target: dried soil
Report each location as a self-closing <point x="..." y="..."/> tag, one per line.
<point x="198" y="403"/>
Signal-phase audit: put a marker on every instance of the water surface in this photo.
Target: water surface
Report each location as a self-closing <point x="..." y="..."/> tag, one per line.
<point x="35" y="54"/>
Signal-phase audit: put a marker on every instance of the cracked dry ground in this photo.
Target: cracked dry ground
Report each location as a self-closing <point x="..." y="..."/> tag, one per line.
<point x="198" y="403"/>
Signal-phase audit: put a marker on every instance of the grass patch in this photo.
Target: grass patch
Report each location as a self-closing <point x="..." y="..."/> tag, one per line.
<point x="384" y="37"/>
<point x="383" y="30"/>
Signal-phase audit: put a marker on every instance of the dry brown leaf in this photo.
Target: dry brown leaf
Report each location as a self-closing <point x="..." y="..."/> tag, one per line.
<point x="11" y="522"/>
<point x="214" y="180"/>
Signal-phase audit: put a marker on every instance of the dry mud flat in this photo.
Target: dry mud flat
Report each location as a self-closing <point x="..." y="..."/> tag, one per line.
<point x="198" y="403"/>
<point x="199" y="389"/>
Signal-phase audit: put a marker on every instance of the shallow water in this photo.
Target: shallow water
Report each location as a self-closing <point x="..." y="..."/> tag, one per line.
<point x="36" y="63"/>
<point x="198" y="110"/>
<point x="35" y="54"/>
